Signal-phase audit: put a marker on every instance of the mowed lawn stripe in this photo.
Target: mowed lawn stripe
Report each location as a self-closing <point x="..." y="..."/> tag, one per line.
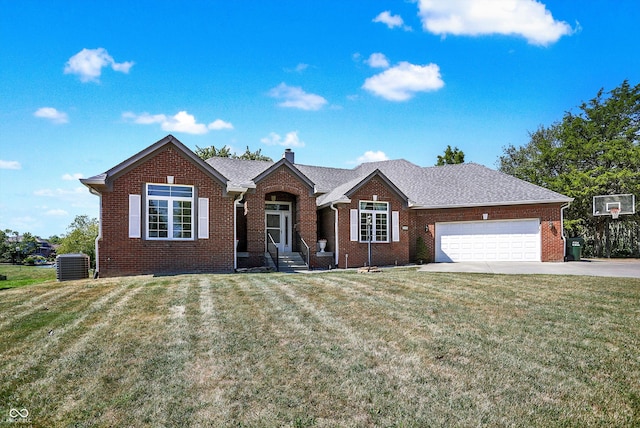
<point x="330" y="349"/>
<point x="13" y="308"/>
<point x="43" y="334"/>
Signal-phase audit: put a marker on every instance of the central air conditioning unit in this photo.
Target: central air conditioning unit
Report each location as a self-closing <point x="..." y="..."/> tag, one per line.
<point x="72" y="266"/>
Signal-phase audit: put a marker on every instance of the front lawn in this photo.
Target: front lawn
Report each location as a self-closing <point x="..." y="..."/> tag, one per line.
<point x="397" y="348"/>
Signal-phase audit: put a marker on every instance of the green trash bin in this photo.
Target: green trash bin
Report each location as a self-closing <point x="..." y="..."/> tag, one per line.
<point x="574" y="248"/>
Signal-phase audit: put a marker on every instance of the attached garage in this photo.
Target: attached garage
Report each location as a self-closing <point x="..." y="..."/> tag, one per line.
<point x="478" y="241"/>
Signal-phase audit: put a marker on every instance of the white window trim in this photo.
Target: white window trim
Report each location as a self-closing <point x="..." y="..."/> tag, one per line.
<point x="170" y="200"/>
<point x="374" y="213"/>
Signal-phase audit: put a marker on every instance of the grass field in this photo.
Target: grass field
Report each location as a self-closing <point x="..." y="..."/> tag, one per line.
<point x="19" y="276"/>
<point x="397" y="348"/>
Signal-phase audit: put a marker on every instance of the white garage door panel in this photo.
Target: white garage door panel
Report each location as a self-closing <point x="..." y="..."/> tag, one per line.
<point x="488" y="241"/>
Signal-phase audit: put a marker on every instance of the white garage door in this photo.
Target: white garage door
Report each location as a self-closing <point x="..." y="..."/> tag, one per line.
<point x="513" y="240"/>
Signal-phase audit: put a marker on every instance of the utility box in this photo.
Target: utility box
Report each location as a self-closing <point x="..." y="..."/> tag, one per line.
<point x="72" y="266"/>
<point x="574" y="248"/>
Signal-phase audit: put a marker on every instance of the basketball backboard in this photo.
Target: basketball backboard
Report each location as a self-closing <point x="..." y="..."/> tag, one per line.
<point x="602" y="205"/>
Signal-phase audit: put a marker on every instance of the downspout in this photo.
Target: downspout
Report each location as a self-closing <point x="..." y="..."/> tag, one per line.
<point x="235" y="230"/>
<point x="335" y="232"/>
<point x="564" y="238"/>
<point x="96" y="274"/>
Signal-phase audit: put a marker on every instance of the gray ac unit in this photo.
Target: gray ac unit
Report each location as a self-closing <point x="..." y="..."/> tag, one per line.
<point x="72" y="266"/>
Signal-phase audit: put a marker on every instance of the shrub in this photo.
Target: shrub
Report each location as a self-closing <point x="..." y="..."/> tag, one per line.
<point x="34" y="260"/>
<point x="422" y="254"/>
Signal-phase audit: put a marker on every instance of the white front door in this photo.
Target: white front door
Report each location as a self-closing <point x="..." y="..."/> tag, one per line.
<point x="278" y="225"/>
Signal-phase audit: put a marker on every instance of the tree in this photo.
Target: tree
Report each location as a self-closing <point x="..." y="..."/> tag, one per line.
<point x="212" y="152"/>
<point x="81" y="236"/>
<point x="249" y="155"/>
<point x="451" y="157"/>
<point x="594" y="152"/>
<point x="225" y="152"/>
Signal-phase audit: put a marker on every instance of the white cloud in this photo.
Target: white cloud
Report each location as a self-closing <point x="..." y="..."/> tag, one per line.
<point x="180" y="122"/>
<point x="378" y="60"/>
<point x="52" y="114"/>
<point x="10" y="164"/>
<point x="72" y="177"/>
<point x="527" y="18"/>
<point x="371" y="156"/>
<point x="391" y="21"/>
<point x="403" y="81"/>
<point x="55" y="212"/>
<point x="290" y="140"/>
<point x="298" y="68"/>
<point x="295" y="97"/>
<point x="61" y="193"/>
<point x="219" y="124"/>
<point x="88" y="64"/>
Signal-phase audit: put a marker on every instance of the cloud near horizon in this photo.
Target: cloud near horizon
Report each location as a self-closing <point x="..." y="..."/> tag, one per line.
<point x="525" y="18"/>
<point x="180" y="122"/>
<point x="403" y="81"/>
<point x="52" y="114"/>
<point x="72" y="177"/>
<point x="295" y="97"/>
<point x="88" y="64"/>
<point x="372" y="156"/>
<point x="290" y="140"/>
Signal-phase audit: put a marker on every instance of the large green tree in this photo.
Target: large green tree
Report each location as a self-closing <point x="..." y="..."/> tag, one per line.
<point x="80" y="237"/>
<point x="593" y="152"/>
<point x="450" y="156"/>
<point x="225" y="152"/>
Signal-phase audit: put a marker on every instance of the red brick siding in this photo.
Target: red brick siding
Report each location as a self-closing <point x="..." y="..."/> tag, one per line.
<point x="552" y="246"/>
<point x="121" y="255"/>
<point x="383" y="254"/>
<point x="304" y="216"/>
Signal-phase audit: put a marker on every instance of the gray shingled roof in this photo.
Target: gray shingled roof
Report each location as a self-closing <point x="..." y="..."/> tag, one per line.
<point x="447" y="186"/>
<point x="460" y="185"/>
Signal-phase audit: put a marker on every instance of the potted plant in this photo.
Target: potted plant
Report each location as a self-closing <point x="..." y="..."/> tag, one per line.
<point x="322" y="243"/>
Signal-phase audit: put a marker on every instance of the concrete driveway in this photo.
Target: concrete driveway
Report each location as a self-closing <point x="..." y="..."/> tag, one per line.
<point x="627" y="268"/>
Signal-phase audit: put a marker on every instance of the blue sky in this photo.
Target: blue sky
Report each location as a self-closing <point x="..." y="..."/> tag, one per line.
<point x="86" y="84"/>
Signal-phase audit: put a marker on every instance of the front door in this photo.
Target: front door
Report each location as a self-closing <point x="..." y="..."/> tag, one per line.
<point x="278" y="225"/>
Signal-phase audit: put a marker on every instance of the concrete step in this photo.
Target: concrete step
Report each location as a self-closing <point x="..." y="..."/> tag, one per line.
<point x="288" y="262"/>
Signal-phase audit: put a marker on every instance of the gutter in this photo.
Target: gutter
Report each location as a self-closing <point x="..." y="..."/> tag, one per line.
<point x="335" y="231"/>
<point x="564" y="238"/>
<point x="235" y="228"/>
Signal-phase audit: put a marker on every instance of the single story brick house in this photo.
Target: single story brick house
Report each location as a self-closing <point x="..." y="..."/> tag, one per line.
<point x="165" y="210"/>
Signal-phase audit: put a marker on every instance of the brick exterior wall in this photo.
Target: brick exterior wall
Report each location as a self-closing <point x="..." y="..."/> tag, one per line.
<point x="552" y="245"/>
<point x="282" y="180"/>
<point x="120" y="255"/>
<point x="382" y="254"/>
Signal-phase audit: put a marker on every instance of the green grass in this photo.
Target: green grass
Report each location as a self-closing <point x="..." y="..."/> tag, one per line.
<point x="398" y="348"/>
<point x="19" y="275"/>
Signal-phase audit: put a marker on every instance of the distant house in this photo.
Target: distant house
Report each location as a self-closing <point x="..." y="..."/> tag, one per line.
<point x="165" y="210"/>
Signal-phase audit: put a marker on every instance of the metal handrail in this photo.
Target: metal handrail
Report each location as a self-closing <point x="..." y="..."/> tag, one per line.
<point x="307" y="252"/>
<point x="275" y="248"/>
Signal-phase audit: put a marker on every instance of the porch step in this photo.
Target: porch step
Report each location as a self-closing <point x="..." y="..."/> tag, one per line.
<point x="288" y="262"/>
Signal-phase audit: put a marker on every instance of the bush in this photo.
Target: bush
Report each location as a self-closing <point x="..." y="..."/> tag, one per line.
<point x="34" y="260"/>
<point x="422" y="254"/>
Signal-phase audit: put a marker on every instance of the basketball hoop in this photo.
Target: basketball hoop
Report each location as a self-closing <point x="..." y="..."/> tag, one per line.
<point x="615" y="212"/>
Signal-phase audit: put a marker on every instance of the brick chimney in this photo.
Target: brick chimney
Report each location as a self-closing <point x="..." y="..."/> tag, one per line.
<point x="289" y="155"/>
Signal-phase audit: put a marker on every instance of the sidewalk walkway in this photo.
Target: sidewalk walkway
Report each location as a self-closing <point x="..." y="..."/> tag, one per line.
<point x="626" y="268"/>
